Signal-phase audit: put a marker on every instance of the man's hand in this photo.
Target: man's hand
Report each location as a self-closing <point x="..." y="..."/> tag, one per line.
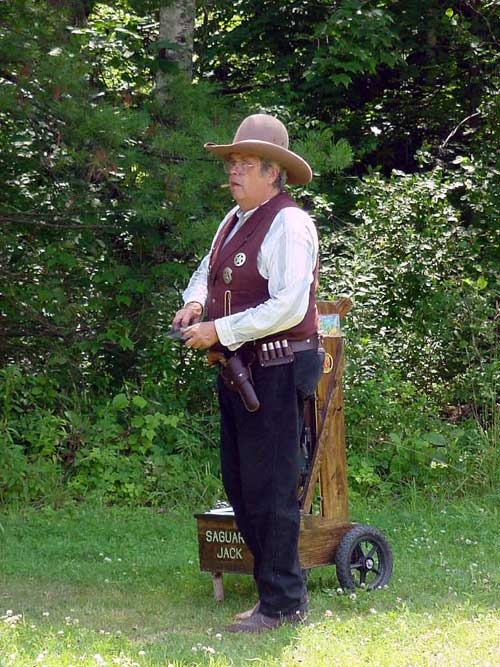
<point x="201" y="335"/>
<point x="190" y="314"/>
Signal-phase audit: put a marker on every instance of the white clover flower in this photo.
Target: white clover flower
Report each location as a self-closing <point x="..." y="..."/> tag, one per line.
<point x="328" y="613"/>
<point x="12" y="621"/>
<point x="352" y="596"/>
<point x="99" y="659"/>
<point x="339" y="591"/>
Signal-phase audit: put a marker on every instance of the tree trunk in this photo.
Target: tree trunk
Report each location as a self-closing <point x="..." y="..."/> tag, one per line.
<point x="176" y="33"/>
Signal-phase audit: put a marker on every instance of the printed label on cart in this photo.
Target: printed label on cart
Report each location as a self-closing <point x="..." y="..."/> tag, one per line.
<point x="229" y="553"/>
<point x="224" y="536"/>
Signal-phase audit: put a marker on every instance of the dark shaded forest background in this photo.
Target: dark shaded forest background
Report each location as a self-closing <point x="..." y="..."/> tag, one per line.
<point x="108" y="202"/>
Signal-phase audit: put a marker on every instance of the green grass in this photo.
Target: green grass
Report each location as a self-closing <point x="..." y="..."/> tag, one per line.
<point x="87" y="586"/>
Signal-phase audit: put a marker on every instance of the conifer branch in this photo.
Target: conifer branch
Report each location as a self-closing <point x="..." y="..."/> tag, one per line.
<point x="13" y="220"/>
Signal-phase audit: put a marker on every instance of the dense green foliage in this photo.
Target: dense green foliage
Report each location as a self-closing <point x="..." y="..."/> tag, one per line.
<point x="389" y="76"/>
<point x="108" y="202"/>
<point x="423" y="331"/>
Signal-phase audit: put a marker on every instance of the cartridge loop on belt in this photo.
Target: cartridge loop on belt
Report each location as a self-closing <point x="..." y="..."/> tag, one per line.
<point x="282" y="351"/>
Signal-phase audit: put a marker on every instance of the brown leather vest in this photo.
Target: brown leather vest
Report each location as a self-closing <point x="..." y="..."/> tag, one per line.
<point x="246" y="288"/>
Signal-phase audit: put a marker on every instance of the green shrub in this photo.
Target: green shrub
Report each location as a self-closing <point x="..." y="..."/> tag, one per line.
<point x="131" y="449"/>
<point x="422" y="335"/>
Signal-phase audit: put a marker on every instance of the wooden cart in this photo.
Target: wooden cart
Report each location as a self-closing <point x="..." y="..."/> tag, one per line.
<point x="361" y="553"/>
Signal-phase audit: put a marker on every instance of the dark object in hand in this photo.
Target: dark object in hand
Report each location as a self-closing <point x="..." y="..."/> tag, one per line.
<point x="237" y="377"/>
<point x="175" y="334"/>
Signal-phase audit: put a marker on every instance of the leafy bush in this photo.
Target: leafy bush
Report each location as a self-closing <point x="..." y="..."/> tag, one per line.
<point x="422" y="334"/>
<point x="131" y="449"/>
<point x="397" y="437"/>
<point x="413" y="270"/>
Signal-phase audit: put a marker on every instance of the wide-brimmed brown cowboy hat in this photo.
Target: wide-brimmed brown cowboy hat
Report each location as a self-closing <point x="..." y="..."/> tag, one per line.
<point x="266" y="137"/>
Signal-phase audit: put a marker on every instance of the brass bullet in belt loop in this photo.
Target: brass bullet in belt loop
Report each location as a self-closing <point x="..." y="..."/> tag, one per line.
<point x="272" y="352"/>
<point x="265" y="353"/>
<point x="277" y="347"/>
<point x="285" y="348"/>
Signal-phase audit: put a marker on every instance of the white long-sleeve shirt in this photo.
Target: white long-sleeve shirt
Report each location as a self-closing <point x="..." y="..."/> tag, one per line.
<point x="286" y="259"/>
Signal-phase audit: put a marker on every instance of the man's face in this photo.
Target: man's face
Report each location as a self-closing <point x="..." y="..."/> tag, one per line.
<point x="249" y="185"/>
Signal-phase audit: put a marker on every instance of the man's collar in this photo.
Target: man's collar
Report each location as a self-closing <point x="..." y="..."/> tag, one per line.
<point x="244" y="215"/>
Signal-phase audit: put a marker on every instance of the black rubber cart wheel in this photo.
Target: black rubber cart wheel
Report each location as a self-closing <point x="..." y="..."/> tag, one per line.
<point x="363" y="559"/>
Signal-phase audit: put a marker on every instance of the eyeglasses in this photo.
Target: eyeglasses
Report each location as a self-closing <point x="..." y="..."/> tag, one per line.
<point x="238" y="166"/>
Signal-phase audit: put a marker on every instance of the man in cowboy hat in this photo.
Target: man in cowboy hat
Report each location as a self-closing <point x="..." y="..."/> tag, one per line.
<point x="257" y="290"/>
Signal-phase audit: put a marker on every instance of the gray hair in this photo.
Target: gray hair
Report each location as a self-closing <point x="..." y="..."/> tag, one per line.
<point x="266" y="165"/>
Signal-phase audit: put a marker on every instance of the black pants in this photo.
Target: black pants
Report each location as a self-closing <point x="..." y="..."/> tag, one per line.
<point x="260" y="470"/>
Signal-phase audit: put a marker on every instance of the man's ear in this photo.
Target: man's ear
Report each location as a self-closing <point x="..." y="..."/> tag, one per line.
<point x="273" y="173"/>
